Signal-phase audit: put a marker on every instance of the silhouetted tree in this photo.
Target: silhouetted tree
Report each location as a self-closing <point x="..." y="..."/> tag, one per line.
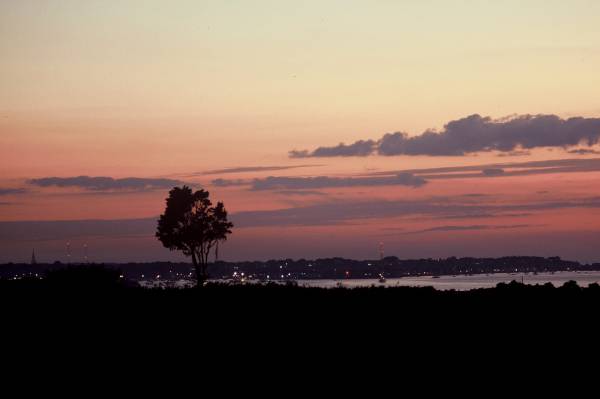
<point x="191" y="224"/>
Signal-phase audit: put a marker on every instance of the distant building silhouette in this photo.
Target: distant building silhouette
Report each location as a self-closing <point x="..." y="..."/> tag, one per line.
<point x="33" y="260"/>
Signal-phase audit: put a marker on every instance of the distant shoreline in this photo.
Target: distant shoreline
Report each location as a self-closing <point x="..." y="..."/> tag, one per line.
<point x="325" y="268"/>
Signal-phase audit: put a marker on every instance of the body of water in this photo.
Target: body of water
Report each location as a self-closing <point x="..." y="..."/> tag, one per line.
<point x="458" y="282"/>
<point x="464" y="282"/>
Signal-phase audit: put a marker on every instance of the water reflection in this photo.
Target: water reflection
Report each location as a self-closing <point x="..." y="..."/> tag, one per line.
<point x="464" y="282"/>
<point x="458" y="282"/>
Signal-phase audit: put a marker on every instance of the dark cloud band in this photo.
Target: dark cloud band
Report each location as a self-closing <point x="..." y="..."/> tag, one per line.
<point x="12" y="191"/>
<point x="321" y="182"/>
<point x="469" y="228"/>
<point x="416" y="177"/>
<point x="106" y="183"/>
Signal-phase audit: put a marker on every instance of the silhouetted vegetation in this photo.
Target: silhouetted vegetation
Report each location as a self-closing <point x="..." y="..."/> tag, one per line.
<point x="86" y="278"/>
<point x="105" y="288"/>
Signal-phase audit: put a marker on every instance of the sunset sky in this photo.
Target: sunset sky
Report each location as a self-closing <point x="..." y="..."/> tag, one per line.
<point x="469" y="128"/>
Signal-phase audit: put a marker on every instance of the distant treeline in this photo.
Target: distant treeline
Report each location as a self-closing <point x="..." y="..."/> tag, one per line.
<point x="327" y="268"/>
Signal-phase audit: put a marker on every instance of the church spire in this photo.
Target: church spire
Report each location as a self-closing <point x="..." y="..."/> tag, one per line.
<point x="33" y="261"/>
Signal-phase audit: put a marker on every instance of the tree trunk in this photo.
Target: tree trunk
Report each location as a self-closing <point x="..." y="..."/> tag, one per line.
<point x="203" y="274"/>
<point x="198" y="270"/>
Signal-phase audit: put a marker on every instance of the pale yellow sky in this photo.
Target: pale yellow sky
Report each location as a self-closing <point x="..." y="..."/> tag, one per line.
<point x="395" y="65"/>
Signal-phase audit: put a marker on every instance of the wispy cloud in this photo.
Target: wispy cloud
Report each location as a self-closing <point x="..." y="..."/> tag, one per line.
<point x="301" y="192"/>
<point x="340" y="212"/>
<point x="230" y="182"/>
<point x="474" y="134"/>
<point x="514" y="154"/>
<point x="415" y="177"/>
<point x="502" y="169"/>
<point x="272" y="182"/>
<point x="584" y="151"/>
<point x="360" y="148"/>
<point x="468" y="228"/>
<point x="246" y="169"/>
<point x="12" y="191"/>
<point x="107" y="183"/>
<point x="322" y="182"/>
<point x="493" y="172"/>
<point x="484" y="215"/>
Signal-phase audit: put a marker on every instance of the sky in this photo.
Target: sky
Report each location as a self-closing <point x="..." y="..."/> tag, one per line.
<point x="439" y="128"/>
